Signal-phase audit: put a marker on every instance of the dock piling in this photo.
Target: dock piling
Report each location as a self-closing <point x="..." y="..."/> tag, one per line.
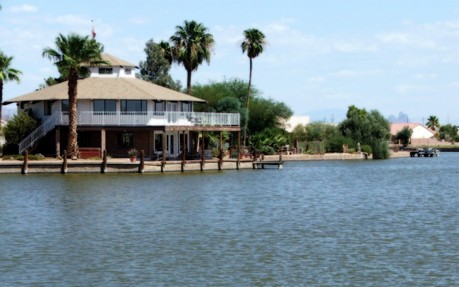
<point x="25" y="165"/>
<point x="64" y="168"/>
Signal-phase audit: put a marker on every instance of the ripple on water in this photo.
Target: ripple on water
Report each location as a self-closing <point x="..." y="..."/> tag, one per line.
<point x="341" y="223"/>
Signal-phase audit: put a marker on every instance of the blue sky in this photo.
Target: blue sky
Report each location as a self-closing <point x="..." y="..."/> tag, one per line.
<point x="321" y="57"/>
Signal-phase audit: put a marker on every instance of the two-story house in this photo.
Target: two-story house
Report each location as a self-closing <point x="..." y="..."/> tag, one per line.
<point x="117" y="111"/>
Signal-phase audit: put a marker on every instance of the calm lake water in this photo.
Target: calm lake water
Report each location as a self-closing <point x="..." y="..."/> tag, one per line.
<point x="340" y="223"/>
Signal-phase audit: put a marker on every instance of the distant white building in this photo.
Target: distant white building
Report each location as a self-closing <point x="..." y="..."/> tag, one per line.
<point x="419" y="131"/>
<point x="422" y="135"/>
<point x="294" y="121"/>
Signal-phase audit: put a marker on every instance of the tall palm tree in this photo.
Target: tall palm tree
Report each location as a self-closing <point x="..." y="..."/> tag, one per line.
<point x="191" y="44"/>
<point x="253" y="45"/>
<point x="73" y="57"/>
<point x="433" y="123"/>
<point x="6" y="74"/>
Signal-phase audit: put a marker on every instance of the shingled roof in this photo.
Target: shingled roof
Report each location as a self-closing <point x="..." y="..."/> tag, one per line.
<point x="107" y="88"/>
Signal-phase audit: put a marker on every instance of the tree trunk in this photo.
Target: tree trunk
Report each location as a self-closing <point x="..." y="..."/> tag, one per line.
<point x="72" y="147"/>
<point x="247" y="104"/>
<point x="1" y="101"/>
<point x="188" y="82"/>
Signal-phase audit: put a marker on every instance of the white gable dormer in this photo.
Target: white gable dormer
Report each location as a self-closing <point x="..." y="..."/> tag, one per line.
<point x="117" y="69"/>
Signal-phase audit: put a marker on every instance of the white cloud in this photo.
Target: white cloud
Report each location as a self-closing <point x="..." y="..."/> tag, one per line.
<point x="24" y="8"/>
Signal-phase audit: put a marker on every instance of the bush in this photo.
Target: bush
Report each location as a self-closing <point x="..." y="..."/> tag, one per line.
<point x="17" y="129"/>
<point x="336" y="142"/>
<point x="404" y="135"/>
<point x="380" y="150"/>
<point x="366" y="148"/>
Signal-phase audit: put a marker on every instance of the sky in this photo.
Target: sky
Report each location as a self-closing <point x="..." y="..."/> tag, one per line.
<point x="397" y="57"/>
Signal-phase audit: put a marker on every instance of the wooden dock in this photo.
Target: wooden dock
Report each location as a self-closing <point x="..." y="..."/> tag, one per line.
<point x="263" y="163"/>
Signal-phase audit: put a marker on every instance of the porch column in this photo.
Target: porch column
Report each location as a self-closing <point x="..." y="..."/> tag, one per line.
<point x="103" y="140"/>
<point x="151" y="145"/>
<point x="202" y="150"/>
<point x="220" y="151"/>
<point x="58" y="142"/>
<point x="238" y="148"/>
<point x="183" y="150"/>
<point x="164" y="149"/>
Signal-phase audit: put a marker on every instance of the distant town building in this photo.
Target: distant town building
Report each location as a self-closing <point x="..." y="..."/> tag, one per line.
<point x="422" y="135"/>
<point x="294" y="121"/>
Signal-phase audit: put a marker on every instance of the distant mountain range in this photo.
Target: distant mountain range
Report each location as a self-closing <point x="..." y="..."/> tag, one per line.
<point x="327" y="115"/>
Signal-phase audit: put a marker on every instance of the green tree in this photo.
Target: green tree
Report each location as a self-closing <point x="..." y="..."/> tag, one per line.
<point x="157" y="65"/>
<point x="253" y="45"/>
<point x="433" y="123"/>
<point x="449" y="133"/>
<point x="367" y="128"/>
<point x="267" y="114"/>
<point x="73" y="56"/>
<point x="229" y="95"/>
<point x="404" y="135"/>
<point x="50" y="81"/>
<point x="191" y="45"/>
<point x="6" y="74"/>
<point x="18" y="128"/>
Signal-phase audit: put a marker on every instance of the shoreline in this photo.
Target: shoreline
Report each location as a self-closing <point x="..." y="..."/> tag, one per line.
<point x="123" y="165"/>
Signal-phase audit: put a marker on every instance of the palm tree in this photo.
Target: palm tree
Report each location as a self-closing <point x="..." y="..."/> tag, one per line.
<point x="6" y="74"/>
<point x="191" y="45"/>
<point x="253" y="43"/>
<point x="73" y="57"/>
<point x="433" y="123"/>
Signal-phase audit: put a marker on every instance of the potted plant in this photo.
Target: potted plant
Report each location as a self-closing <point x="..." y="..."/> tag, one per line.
<point x="132" y="154"/>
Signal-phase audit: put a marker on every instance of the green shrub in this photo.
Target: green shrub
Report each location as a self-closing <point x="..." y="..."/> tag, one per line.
<point x="366" y="148"/>
<point x="17" y="129"/>
<point x="380" y="150"/>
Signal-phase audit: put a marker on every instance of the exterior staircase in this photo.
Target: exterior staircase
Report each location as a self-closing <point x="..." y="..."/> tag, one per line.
<point x="39" y="132"/>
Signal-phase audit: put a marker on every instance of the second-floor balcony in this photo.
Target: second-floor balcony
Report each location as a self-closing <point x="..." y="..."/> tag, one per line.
<point x="152" y="119"/>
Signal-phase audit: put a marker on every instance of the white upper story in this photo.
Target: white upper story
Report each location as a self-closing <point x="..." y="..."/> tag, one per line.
<point x="117" y="69"/>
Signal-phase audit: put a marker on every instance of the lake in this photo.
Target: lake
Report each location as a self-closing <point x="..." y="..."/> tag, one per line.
<point x="326" y="223"/>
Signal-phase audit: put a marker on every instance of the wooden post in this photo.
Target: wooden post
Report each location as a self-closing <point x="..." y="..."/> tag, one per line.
<point x="238" y="149"/>
<point x="103" y="167"/>
<point x="142" y="162"/>
<point x="25" y="165"/>
<point x="64" y="168"/>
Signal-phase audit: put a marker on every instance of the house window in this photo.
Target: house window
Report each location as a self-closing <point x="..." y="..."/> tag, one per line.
<point x="107" y="106"/>
<point x="127" y="71"/>
<point x="65" y="105"/>
<point x="137" y="106"/>
<point x="186" y="107"/>
<point x="125" y="140"/>
<point x="105" y="71"/>
<point x="48" y="108"/>
<point x="159" y="106"/>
